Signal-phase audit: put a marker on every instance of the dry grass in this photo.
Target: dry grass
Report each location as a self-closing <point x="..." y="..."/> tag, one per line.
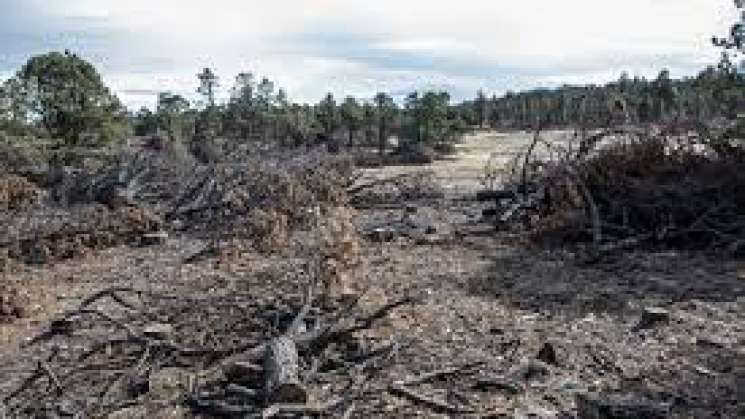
<point x="18" y="193"/>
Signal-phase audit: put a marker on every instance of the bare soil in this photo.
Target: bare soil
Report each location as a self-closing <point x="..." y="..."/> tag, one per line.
<point x="490" y="299"/>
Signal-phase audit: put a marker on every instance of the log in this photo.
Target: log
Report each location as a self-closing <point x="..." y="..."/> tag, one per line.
<point x="282" y="384"/>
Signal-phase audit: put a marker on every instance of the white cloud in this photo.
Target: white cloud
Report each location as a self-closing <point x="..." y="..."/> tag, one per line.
<point x="359" y="47"/>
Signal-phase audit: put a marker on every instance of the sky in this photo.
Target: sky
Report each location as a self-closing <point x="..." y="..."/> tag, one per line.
<point x="356" y="47"/>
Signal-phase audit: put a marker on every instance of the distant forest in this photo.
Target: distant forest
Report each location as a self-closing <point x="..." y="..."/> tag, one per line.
<point x="717" y="91"/>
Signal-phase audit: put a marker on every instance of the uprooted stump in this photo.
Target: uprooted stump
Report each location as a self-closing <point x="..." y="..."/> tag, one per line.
<point x="282" y="383"/>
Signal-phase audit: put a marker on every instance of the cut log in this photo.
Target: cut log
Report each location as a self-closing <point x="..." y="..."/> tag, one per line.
<point x="282" y="383"/>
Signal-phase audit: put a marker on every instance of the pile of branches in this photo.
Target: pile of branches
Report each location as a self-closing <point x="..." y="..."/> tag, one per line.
<point x="45" y="234"/>
<point x="134" y="353"/>
<point x="674" y="187"/>
<point x="284" y="186"/>
<point x="417" y="186"/>
<point x="263" y="198"/>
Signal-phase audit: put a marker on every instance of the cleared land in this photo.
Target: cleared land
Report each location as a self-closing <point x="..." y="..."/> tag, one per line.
<point x="489" y="304"/>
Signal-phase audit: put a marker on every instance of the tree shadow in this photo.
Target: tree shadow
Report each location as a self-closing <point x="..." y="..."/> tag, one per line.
<point x="551" y="283"/>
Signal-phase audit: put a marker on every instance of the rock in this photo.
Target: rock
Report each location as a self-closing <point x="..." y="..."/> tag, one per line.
<point x="651" y="317"/>
<point x="158" y="331"/>
<point x="547" y="354"/>
<point x="596" y="406"/>
<point x="154" y="239"/>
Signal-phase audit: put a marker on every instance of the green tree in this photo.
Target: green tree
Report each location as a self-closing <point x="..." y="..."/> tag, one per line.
<point x="241" y="113"/>
<point x="352" y="116"/>
<point x="208" y="85"/>
<point x="145" y="122"/>
<point x="67" y="96"/>
<point x="482" y="108"/>
<point x="385" y="108"/>
<point x="328" y="116"/>
<point x="171" y="110"/>
<point x="369" y="122"/>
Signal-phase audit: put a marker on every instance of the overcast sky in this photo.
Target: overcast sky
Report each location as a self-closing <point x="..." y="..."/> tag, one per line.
<point x="359" y="47"/>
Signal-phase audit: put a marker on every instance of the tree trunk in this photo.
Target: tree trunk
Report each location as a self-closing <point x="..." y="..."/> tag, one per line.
<point x="381" y="139"/>
<point x="282" y="384"/>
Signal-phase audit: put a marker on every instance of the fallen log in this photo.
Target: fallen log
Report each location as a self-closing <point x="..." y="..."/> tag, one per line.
<point x="282" y="382"/>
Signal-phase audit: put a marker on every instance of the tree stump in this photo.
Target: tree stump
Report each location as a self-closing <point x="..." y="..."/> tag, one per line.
<point x="282" y="383"/>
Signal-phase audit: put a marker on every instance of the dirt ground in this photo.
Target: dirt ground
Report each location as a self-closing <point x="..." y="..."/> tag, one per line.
<point x="490" y="299"/>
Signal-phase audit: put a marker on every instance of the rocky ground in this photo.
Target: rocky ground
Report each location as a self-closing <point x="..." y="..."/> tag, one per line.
<point x="508" y="329"/>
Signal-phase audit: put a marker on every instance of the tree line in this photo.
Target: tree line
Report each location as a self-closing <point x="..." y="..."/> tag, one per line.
<point x="717" y="91"/>
<point x="62" y="96"/>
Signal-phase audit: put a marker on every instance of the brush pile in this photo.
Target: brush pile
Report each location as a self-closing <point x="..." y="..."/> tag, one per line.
<point x="124" y="352"/>
<point x="624" y="188"/>
<point x="261" y="198"/>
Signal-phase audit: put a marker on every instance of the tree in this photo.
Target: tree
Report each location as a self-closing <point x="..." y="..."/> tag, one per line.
<point x="386" y="110"/>
<point x="208" y="84"/>
<point x="430" y="112"/>
<point x="328" y="116"/>
<point x="145" y="122"/>
<point x="171" y="108"/>
<point x="352" y="116"/>
<point x="67" y="96"/>
<point x="241" y="113"/>
<point x="369" y="122"/>
<point x="482" y="108"/>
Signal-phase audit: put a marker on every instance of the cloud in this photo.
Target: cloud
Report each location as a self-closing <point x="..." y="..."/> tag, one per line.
<point x="360" y="47"/>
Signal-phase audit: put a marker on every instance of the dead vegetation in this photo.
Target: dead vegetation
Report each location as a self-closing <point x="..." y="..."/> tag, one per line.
<point x="622" y="188"/>
<point x="246" y="355"/>
<point x="273" y="289"/>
